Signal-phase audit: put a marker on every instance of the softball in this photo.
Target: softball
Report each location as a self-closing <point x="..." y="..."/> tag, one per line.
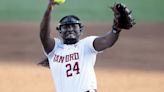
<point x="59" y="1"/>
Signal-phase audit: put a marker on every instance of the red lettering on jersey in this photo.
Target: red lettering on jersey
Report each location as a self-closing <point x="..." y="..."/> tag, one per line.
<point x="76" y="56"/>
<point x="72" y="68"/>
<point x="71" y="57"/>
<point x="66" y="58"/>
<point x="61" y="59"/>
<point x="55" y="58"/>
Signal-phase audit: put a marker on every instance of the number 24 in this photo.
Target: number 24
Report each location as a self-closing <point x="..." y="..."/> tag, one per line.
<point x="75" y="68"/>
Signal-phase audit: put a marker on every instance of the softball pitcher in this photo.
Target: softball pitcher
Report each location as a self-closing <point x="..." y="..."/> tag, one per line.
<point x="71" y="59"/>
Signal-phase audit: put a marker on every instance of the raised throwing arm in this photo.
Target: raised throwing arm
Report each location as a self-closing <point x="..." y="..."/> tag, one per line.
<point x="47" y="41"/>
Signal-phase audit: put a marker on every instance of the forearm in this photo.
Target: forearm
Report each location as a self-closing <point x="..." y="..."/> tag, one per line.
<point x="107" y="40"/>
<point x="112" y="37"/>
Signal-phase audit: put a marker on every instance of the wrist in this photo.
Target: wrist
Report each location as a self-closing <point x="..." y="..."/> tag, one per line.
<point x="116" y="30"/>
<point x="50" y="7"/>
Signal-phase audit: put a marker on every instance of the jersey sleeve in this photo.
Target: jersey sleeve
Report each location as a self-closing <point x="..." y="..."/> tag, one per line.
<point x="89" y="43"/>
<point x="57" y="41"/>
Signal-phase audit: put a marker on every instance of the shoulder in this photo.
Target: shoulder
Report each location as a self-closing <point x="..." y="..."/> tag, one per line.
<point x="56" y="46"/>
<point x="88" y="43"/>
<point x="57" y="40"/>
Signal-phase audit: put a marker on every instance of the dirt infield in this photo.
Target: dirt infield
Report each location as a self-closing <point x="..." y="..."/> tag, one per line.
<point x="134" y="64"/>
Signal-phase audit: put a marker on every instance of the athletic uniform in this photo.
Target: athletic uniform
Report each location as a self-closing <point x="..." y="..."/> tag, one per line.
<point x="72" y="66"/>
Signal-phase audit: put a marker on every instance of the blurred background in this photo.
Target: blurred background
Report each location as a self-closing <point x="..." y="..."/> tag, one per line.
<point x="134" y="64"/>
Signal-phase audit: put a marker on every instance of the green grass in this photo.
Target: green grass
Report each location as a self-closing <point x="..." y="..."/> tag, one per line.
<point x="87" y="10"/>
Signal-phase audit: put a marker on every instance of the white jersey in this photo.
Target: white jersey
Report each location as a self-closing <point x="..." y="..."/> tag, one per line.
<point x="72" y="66"/>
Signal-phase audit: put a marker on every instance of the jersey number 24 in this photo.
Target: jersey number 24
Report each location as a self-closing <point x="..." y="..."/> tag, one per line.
<point x="71" y="69"/>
